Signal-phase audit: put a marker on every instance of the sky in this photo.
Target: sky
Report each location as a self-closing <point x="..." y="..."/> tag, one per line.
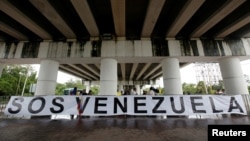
<point x="187" y="73"/>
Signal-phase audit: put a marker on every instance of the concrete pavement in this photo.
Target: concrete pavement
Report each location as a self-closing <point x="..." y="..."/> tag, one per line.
<point x="111" y="129"/>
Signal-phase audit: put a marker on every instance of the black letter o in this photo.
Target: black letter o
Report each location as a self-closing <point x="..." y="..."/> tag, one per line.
<point x="31" y="103"/>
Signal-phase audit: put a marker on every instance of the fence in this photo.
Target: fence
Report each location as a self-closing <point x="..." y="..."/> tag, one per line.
<point x="3" y="102"/>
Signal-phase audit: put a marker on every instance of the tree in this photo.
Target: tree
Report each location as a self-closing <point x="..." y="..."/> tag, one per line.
<point x="201" y="88"/>
<point x="69" y="84"/>
<point x="161" y="90"/>
<point x="72" y="84"/>
<point x="246" y="77"/>
<point x="95" y="90"/>
<point x="210" y="90"/>
<point x="189" y="88"/>
<point x="216" y="87"/>
<point x="60" y="88"/>
<point x="13" y="78"/>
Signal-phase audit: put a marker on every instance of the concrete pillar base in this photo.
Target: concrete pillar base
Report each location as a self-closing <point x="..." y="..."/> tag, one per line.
<point x="46" y="82"/>
<point x="171" y="76"/>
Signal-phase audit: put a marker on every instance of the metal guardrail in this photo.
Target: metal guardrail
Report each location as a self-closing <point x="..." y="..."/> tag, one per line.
<point x="3" y="103"/>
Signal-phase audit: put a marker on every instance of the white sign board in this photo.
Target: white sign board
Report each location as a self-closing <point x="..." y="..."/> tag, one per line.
<point x="129" y="105"/>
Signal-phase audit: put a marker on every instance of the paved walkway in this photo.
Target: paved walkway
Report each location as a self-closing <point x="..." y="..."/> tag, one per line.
<point x="111" y="129"/>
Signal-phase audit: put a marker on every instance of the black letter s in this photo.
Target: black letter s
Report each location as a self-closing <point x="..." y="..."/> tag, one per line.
<point x="61" y="108"/>
<point x="18" y="105"/>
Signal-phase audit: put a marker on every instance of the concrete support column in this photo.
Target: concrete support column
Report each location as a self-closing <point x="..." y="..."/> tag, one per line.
<point x="108" y="77"/>
<point x="171" y="76"/>
<point x="87" y="85"/>
<point x="138" y="89"/>
<point x="120" y="88"/>
<point x="46" y="83"/>
<point x="1" y="69"/>
<point x="232" y="75"/>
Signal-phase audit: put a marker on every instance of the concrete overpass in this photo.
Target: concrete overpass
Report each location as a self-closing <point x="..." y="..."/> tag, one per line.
<point x="134" y="37"/>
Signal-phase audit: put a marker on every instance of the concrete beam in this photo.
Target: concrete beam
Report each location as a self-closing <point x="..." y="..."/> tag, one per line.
<point x="133" y="71"/>
<point x="75" y="73"/>
<point x="225" y="10"/>
<point x="143" y="70"/>
<point x="84" y="12"/>
<point x="82" y="71"/>
<point x="92" y="70"/>
<point x="186" y="13"/>
<point x="235" y="26"/>
<point x="118" y="11"/>
<point x="97" y="65"/>
<point x="155" y="75"/>
<point x="153" y="12"/>
<point x="123" y="68"/>
<point x="16" y="14"/>
<point x="52" y="15"/>
<point x="247" y="35"/>
<point x="12" y="32"/>
<point x="152" y="71"/>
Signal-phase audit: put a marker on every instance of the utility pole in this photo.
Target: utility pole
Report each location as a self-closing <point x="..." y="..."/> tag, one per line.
<point x="18" y="83"/>
<point x="27" y="74"/>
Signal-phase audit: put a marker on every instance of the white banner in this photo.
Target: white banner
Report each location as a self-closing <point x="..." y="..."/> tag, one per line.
<point x="129" y="105"/>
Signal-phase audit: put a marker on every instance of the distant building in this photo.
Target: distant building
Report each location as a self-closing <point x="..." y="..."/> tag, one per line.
<point x="209" y="73"/>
